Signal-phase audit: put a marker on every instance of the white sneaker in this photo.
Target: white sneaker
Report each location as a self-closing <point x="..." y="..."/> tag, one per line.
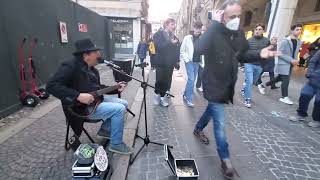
<point x="262" y="89"/>
<point x="314" y="124"/>
<point x="200" y="89"/>
<point x="297" y="118"/>
<point x="286" y="100"/>
<point x="164" y="102"/>
<point x="188" y="103"/>
<point x="247" y="103"/>
<point x="156" y="99"/>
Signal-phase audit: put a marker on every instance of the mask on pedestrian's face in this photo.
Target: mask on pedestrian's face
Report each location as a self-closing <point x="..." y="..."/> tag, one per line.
<point x="233" y="24"/>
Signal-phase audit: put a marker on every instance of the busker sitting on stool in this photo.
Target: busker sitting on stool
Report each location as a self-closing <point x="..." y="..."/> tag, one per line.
<point x="71" y="84"/>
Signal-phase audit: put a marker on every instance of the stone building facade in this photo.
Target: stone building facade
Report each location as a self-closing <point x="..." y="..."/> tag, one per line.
<point x="129" y="17"/>
<point x="278" y="15"/>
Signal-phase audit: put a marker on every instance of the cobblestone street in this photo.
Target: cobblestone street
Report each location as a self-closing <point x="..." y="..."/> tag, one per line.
<point x="264" y="144"/>
<point x="37" y="152"/>
<point x="260" y="56"/>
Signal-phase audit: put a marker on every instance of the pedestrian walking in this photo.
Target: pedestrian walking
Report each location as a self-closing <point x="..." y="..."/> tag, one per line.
<point x="311" y="89"/>
<point x="202" y="63"/>
<point x="268" y="66"/>
<point x="192" y="61"/>
<point x="142" y="50"/>
<point x="289" y="48"/>
<point x="167" y="58"/>
<point x="222" y="44"/>
<point x="253" y="70"/>
<point x="72" y="83"/>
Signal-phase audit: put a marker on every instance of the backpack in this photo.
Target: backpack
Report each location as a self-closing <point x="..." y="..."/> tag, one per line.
<point x="152" y="48"/>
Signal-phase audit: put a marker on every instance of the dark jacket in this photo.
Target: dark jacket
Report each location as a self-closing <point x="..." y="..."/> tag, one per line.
<point x="142" y="50"/>
<point x="72" y="78"/>
<point x="313" y="73"/>
<point x="167" y="53"/>
<point x="268" y="65"/>
<point x="222" y="49"/>
<point x="255" y="45"/>
<point x="313" y="49"/>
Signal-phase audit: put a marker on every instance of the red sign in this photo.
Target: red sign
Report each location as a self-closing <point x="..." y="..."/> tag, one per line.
<point x="83" y="27"/>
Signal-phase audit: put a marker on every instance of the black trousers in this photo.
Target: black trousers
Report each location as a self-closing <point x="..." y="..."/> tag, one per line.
<point x="199" y="80"/>
<point x="163" y="80"/>
<point x="152" y="59"/>
<point x="285" y="83"/>
<point x="271" y="75"/>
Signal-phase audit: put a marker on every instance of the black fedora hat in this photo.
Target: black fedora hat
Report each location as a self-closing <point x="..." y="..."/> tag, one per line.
<point x="85" y="45"/>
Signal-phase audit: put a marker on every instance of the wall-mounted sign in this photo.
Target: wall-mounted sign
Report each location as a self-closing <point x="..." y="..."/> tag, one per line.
<point x="120" y="20"/>
<point x="83" y="27"/>
<point x="63" y="32"/>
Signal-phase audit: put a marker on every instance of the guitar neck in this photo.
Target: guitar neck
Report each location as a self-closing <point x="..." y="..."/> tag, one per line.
<point x="105" y="90"/>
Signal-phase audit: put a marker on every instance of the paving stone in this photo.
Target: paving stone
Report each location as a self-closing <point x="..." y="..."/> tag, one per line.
<point x="313" y="174"/>
<point x="286" y="163"/>
<point x="300" y="166"/>
<point x="278" y="173"/>
<point x="314" y="168"/>
<point x="301" y="172"/>
<point x="291" y="177"/>
<point x="37" y="152"/>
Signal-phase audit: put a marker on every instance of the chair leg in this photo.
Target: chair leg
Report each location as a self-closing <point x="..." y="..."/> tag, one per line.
<point x="86" y="132"/>
<point x="129" y="111"/>
<point x="66" y="144"/>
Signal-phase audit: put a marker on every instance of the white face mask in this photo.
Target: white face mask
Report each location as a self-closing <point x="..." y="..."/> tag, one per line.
<point x="234" y="24"/>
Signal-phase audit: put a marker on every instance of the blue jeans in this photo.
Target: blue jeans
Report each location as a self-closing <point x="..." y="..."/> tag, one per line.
<point x="252" y="74"/>
<point x="111" y="111"/>
<point x="216" y="112"/>
<point x="306" y="95"/>
<point x="192" y="72"/>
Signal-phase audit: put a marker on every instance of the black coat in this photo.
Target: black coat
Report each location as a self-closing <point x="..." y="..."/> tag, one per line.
<point x="223" y="49"/>
<point x="313" y="49"/>
<point x="167" y="53"/>
<point x="72" y="78"/>
<point x="313" y="73"/>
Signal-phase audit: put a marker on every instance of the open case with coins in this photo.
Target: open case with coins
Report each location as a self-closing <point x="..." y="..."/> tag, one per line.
<point x="183" y="169"/>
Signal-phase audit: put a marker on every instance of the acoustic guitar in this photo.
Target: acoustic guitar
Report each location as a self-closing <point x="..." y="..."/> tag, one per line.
<point x="83" y="110"/>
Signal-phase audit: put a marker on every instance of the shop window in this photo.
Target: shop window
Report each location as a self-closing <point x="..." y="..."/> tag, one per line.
<point x="247" y="18"/>
<point x="317" y="8"/>
<point x="123" y="33"/>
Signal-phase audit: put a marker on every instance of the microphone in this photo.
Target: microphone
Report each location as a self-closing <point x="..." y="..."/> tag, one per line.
<point x="110" y="64"/>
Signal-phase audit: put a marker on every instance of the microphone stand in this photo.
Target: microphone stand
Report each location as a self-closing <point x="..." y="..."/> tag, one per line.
<point x="144" y="85"/>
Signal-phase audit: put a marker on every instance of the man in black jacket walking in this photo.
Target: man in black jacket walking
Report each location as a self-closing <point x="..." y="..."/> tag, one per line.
<point x="311" y="89"/>
<point x="253" y="70"/>
<point x="167" y="53"/>
<point x="75" y="79"/>
<point x="221" y="45"/>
